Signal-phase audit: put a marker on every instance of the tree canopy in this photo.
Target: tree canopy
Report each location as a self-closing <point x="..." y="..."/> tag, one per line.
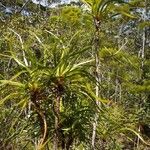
<point x="75" y="76"/>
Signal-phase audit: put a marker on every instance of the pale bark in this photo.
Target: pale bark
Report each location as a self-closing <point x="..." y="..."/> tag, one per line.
<point x="97" y="76"/>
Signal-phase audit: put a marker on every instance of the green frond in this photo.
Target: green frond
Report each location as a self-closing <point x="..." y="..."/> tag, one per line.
<point x="137" y="134"/>
<point x="13" y="83"/>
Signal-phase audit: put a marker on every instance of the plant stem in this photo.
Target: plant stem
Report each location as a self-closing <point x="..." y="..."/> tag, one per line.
<point x="97" y="76"/>
<point x="57" y="121"/>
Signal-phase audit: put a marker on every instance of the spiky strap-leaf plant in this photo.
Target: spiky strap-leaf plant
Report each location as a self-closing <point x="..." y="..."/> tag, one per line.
<point x="44" y="82"/>
<point x="100" y="11"/>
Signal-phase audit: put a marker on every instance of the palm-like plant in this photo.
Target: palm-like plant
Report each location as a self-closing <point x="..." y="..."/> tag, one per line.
<point x="100" y="11"/>
<point x="46" y="79"/>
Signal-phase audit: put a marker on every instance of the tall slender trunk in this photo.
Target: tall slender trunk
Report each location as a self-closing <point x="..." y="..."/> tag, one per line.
<point x="57" y="122"/>
<point x="97" y="75"/>
<point x="119" y="36"/>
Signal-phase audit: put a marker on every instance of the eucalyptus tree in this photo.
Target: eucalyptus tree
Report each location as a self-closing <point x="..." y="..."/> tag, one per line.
<point x="143" y="54"/>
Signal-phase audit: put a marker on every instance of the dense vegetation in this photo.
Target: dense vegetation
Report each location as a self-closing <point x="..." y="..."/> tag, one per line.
<point x="75" y="76"/>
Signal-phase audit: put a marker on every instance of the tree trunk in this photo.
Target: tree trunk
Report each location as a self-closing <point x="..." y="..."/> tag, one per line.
<point x="57" y="122"/>
<point x="97" y="76"/>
